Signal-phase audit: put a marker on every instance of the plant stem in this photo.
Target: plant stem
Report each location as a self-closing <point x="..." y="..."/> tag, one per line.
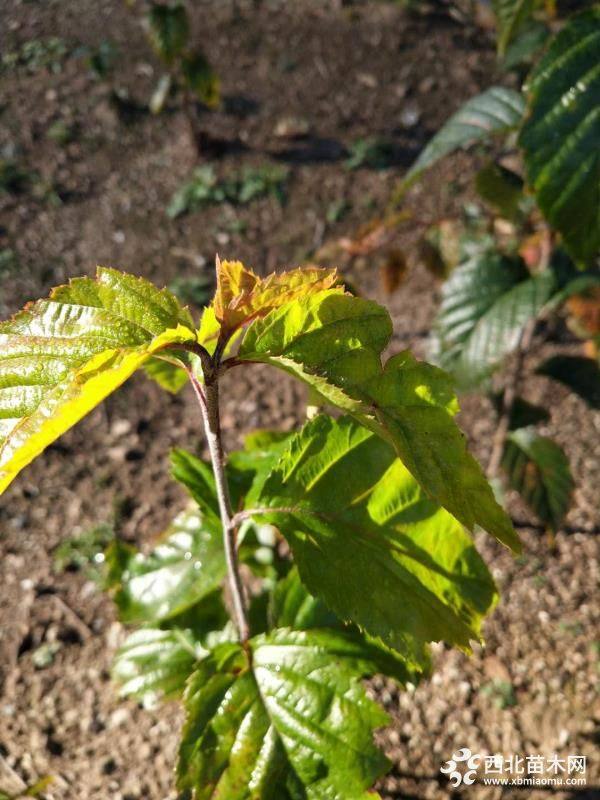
<point x="509" y="396"/>
<point x="209" y="405"/>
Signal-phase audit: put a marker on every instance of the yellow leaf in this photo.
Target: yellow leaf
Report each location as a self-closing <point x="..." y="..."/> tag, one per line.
<point x="243" y="296"/>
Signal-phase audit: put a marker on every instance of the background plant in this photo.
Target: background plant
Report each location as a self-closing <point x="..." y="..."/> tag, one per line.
<point x="375" y="506"/>
<point x="529" y="260"/>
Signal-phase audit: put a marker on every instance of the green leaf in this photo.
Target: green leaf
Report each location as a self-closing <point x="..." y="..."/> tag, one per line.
<point x="155" y="663"/>
<point x="580" y="374"/>
<point x="334" y="343"/>
<point x="355" y="517"/>
<point x="60" y="357"/>
<point x="485" y="305"/>
<point x="288" y="720"/>
<point x="500" y="188"/>
<point x="561" y="134"/>
<point x="511" y="15"/>
<point x="185" y="567"/>
<point x="292" y="606"/>
<point x="526" y="46"/>
<point x="167" y="373"/>
<point x="497" y="110"/>
<point x="168" y="28"/>
<point x="539" y="470"/>
<point x="201" y="78"/>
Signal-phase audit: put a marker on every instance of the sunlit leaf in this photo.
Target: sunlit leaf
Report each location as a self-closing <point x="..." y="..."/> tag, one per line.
<point x="353" y="510"/>
<point x="538" y="469"/>
<point x="334" y="343"/>
<point x="186" y="566"/>
<point x="561" y="134"/>
<point x="60" y="357"/>
<point x="289" y="719"/>
<point x="497" y="110"/>
<point x="243" y="296"/>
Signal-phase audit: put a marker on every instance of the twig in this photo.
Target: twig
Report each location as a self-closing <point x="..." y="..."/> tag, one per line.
<point x="76" y="621"/>
<point x="509" y="396"/>
<point x="208" y="400"/>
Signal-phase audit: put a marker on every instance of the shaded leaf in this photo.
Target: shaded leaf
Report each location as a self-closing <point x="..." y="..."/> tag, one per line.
<point x="580" y="374"/>
<point x="334" y="343"/>
<point x="500" y="188"/>
<point x="201" y="78"/>
<point x="526" y="45"/>
<point x="168" y="29"/>
<point x="292" y="606"/>
<point x="353" y="510"/>
<point x="538" y="469"/>
<point x="561" y="134"/>
<point x="292" y="721"/>
<point x="497" y="110"/>
<point x="60" y="357"/>
<point x="485" y="305"/>
<point x="511" y="16"/>
<point x="186" y="566"/>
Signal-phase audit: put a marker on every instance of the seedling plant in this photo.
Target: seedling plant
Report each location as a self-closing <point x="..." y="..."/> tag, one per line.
<point x="306" y="560"/>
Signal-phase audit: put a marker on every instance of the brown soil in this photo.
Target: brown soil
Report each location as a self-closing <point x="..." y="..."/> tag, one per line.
<point x="350" y="72"/>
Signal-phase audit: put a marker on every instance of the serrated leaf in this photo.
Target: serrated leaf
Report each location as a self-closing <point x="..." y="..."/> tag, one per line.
<point x="291" y="605"/>
<point x="580" y="374"/>
<point x="60" y="357"/>
<point x="497" y="110"/>
<point x="353" y="510"/>
<point x="485" y="305"/>
<point x="201" y="78"/>
<point x="155" y="661"/>
<point x="292" y="720"/>
<point x="538" y="469"/>
<point x="511" y="15"/>
<point x="168" y="29"/>
<point x="185" y="567"/>
<point x="334" y="343"/>
<point x="246" y="471"/>
<point x="561" y="134"/>
<point x="243" y="296"/>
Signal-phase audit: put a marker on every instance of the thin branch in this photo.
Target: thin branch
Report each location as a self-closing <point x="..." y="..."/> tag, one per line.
<point x="197" y="349"/>
<point x="242" y="516"/>
<point x="509" y="396"/>
<point x="208" y="399"/>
